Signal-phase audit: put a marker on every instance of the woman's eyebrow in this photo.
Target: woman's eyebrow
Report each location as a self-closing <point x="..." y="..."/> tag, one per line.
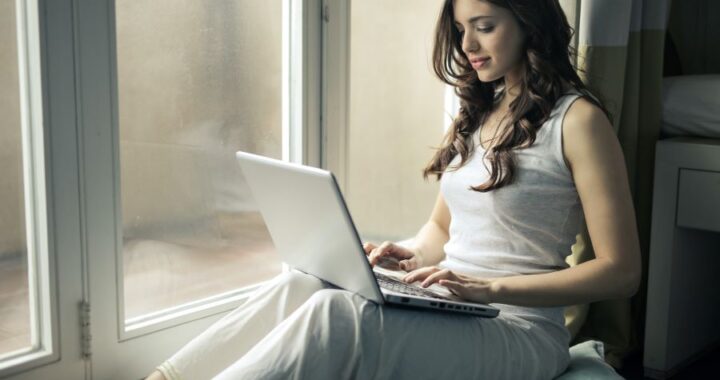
<point x="473" y="19"/>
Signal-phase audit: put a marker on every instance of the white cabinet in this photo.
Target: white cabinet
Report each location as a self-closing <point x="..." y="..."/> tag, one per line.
<point x="683" y="300"/>
<point x="699" y="200"/>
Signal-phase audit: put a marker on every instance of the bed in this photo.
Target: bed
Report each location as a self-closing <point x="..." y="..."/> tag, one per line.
<point x="683" y="299"/>
<point x="691" y="106"/>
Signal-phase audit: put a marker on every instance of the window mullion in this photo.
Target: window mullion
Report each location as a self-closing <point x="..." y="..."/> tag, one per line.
<point x="336" y="70"/>
<point x="302" y="68"/>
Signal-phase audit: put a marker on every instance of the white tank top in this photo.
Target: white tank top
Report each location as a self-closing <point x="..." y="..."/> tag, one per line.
<point x="523" y="228"/>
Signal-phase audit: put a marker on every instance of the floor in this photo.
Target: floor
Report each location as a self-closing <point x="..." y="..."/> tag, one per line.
<point x="14" y="311"/>
<point x="706" y="367"/>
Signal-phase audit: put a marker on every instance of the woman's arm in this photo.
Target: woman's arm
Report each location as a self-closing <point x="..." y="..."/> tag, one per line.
<point x="596" y="161"/>
<point x="427" y="246"/>
<point x="429" y="241"/>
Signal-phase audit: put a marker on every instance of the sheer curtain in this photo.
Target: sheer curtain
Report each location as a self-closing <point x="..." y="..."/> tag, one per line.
<point x="620" y="53"/>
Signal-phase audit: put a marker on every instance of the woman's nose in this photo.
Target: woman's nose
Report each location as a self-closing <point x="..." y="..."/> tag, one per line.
<point x="469" y="44"/>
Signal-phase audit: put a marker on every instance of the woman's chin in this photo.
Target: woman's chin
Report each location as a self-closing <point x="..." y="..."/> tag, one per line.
<point x="487" y="77"/>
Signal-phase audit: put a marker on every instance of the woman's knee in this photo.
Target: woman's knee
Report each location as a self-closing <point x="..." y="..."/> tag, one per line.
<point x="336" y="301"/>
<point x="295" y="279"/>
<point x="328" y="296"/>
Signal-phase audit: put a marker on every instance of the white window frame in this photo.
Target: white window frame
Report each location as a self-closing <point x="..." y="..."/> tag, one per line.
<point x="114" y="348"/>
<point x="42" y="336"/>
<point x="47" y="109"/>
<point x="336" y="87"/>
<point x="302" y="92"/>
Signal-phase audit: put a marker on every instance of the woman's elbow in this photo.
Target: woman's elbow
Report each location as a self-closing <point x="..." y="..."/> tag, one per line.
<point x="625" y="279"/>
<point x="630" y="272"/>
<point x="635" y="275"/>
<point x="631" y="285"/>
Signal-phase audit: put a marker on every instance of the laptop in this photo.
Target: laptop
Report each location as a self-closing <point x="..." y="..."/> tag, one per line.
<point x="310" y="224"/>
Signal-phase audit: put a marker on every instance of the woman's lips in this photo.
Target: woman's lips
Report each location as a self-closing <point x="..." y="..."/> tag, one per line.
<point x="478" y="63"/>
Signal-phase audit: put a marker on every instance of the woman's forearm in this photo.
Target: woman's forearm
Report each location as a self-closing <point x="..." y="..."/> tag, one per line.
<point x="429" y="243"/>
<point x="587" y="282"/>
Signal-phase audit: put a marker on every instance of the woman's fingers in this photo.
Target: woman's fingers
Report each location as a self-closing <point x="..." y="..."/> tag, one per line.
<point x="420" y="274"/>
<point x="386" y="249"/>
<point x="445" y="274"/>
<point x="368" y="247"/>
<point x="381" y="251"/>
<point x="377" y="252"/>
<point x="455" y="287"/>
<point x="409" y="264"/>
<point x="477" y="290"/>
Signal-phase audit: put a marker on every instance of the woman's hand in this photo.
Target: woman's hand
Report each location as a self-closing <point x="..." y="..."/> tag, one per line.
<point x="408" y="259"/>
<point x="466" y="287"/>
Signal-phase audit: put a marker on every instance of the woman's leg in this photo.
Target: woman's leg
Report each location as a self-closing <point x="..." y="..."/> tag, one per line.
<point x="340" y="335"/>
<point x="231" y="337"/>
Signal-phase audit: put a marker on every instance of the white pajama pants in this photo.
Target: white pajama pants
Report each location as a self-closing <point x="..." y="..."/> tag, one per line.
<point x="298" y="327"/>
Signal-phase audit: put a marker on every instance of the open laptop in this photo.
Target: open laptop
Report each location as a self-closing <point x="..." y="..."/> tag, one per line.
<point x="313" y="232"/>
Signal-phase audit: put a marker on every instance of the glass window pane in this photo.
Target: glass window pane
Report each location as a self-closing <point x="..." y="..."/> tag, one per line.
<point x="395" y="116"/>
<point x="197" y="81"/>
<point x="14" y="301"/>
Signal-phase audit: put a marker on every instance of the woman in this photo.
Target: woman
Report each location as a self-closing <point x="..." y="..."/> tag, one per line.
<point x="530" y="153"/>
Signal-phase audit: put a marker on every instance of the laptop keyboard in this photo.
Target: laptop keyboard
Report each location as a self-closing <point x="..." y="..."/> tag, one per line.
<point x="390" y="283"/>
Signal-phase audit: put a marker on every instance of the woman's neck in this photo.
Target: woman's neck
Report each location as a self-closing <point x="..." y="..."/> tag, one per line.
<point x="512" y="83"/>
<point x="503" y="105"/>
<point x="511" y="92"/>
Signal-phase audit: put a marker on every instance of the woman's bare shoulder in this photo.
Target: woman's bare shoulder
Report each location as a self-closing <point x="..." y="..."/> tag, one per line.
<point x="586" y="129"/>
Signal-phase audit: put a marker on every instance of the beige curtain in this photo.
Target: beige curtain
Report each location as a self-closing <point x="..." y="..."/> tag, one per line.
<point x="620" y="53"/>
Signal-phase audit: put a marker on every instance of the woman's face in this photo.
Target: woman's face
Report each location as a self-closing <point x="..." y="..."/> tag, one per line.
<point x="491" y="39"/>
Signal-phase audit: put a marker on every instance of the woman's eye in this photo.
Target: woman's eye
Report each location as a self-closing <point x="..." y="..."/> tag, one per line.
<point x="485" y="30"/>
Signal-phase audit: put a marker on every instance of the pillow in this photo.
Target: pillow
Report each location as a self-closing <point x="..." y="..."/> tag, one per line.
<point x="587" y="363"/>
<point x="691" y="106"/>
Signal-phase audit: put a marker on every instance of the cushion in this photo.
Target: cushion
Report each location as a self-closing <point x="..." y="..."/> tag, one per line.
<point x="587" y="363"/>
<point x="690" y="106"/>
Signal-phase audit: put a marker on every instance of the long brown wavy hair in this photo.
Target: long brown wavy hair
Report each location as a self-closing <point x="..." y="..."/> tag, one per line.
<point x="547" y="62"/>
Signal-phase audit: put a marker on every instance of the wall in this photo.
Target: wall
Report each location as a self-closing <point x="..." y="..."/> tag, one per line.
<point x="396" y="116"/>
<point x="695" y="29"/>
